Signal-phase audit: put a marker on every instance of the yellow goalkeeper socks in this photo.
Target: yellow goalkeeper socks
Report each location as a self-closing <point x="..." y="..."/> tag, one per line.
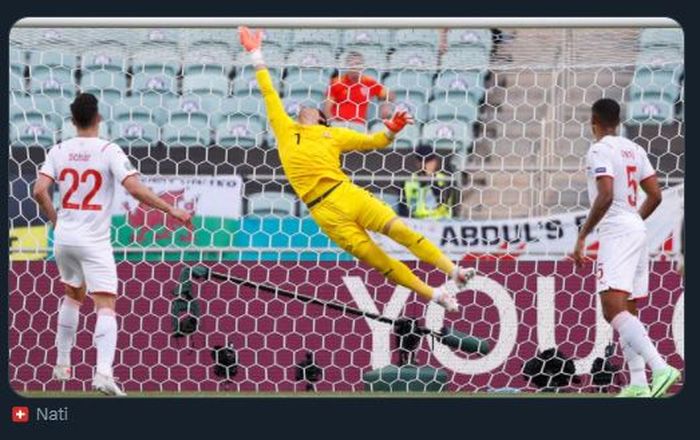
<point x="419" y="246"/>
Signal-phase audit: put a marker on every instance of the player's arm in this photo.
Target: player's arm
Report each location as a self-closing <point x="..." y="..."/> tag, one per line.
<point x="650" y="185"/>
<point x="143" y="194"/>
<point x="41" y="193"/>
<point x="349" y="140"/>
<point x="278" y="117"/>
<point x="601" y="204"/>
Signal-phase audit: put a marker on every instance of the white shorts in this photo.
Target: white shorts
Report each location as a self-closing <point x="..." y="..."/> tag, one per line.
<point x="92" y="266"/>
<point x="623" y="264"/>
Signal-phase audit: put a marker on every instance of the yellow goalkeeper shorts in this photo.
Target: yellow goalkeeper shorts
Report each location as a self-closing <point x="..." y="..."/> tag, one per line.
<point x="348" y="212"/>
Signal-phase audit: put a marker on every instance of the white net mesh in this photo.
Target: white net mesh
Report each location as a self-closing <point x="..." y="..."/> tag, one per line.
<point x="507" y="112"/>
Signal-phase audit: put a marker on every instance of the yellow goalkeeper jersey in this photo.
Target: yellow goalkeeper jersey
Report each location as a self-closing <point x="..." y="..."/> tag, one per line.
<point x="310" y="154"/>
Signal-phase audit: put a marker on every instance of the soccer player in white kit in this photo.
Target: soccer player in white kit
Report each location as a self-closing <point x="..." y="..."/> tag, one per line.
<point x="616" y="167"/>
<point x="87" y="170"/>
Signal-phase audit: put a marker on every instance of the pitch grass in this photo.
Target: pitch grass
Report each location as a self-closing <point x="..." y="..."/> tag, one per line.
<point x="311" y="395"/>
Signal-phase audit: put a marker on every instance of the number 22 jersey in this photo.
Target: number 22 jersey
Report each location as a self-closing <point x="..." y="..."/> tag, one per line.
<point x="627" y="163"/>
<point x="87" y="171"/>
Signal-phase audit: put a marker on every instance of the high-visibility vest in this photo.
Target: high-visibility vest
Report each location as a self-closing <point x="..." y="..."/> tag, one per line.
<point x="422" y="202"/>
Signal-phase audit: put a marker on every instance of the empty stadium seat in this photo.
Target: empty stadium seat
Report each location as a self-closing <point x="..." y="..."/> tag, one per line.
<point x="206" y="60"/>
<point x="244" y="106"/>
<point x="274" y="59"/>
<point x="205" y="84"/>
<point x="158" y="104"/>
<point x="449" y="136"/>
<point x="316" y="37"/>
<point x="414" y="58"/>
<point x="410" y="85"/>
<point x="17" y="67"/>
<point x="165" y="38"/>
<point x="25" y="134"/>
<point x="240" y="131"/>
<point x="469" y="37"/>
<point x="223" y="40"/>
<point x="105" y="68"/>
<point x="272" y="203"/>
<point x="466" y="58"/>
<point x="418" y="109"/>
<point x="453" y="110"/>
<point x="310" y="64"/>
<point x="52" y="74"/>
<point x="134" y="124"/>
<point x="307" y="83"/>
<point x="668" y="38"/>
<point x="649" y="111"/>
<point x="648" y="83"/>
<point x="407" y="138"/>
<point x="188" y="126"/>
<point x="361" y="38"/>
<point x="417" y="37"/>
<point x="279" y="38"/>
<point x="155" y="72"/>
<point x="460" y="84"/>
<point x="39" y="107"/>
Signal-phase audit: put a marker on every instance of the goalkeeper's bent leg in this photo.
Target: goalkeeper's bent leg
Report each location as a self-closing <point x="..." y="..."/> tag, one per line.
<point x="367" y="251"/>
<point x="419" y="246"/>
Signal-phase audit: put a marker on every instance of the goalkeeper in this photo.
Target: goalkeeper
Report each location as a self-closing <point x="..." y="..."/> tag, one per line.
<point x="310" y="154"/>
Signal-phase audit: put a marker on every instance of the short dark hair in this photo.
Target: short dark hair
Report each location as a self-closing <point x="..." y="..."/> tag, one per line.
<point x="84" y="110"/>
<point x="606" y="112"/>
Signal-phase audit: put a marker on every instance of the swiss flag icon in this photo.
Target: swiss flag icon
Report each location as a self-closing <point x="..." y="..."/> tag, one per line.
<point x="20" y="414"/>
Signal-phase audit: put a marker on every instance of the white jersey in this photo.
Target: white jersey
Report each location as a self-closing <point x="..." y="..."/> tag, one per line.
<point x="627" y="163"/>
<point x="87" y="171"/>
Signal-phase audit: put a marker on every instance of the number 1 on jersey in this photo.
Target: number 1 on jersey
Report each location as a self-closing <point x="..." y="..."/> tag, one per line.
<point x="298" y="137"/>
<point x="632" y="184"/>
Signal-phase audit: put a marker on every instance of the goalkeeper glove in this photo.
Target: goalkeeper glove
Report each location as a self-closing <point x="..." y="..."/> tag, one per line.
<point x="398" y="121"/>
<point x="252" y="41"/>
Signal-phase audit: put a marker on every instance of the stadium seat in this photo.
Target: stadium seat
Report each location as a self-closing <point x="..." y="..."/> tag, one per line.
<point x="278" y="38"/>
<point x="307" y="83"/>
<point x="188" y="126"/>
<point x="240" y="131"/>
<point x="648" y="83"/>
<point x="155" y="71"/>
<point x="310" y="65"/>
<point x="418" y="109"/>
<point x="460" y="84"/>
<point x="274" y="59"/>
<point x="407" y="138"/>
<point x="247" y="86"/>
<point x="469" y="37"/>
<point x="52" y="74"/>
<point x="362" y="38"/>
<point x="205" y="84"/>
<point x="269" y="203"/>
<point x="159" y="104"/>
<point x="25" y="134"/>
<point x="164" y="38"/>
<point x="417" y="37"/>
<point x="38" y="108"/>
<point x="649" y="111"/>
<point x="205" y="60"/>
<point x="105" y="68"/>
<point x="244" y="106"/>
<point x="453" y="110"/>
<point x="449" y="137"/>
<point x="206" y="40"/>
<point x="68" y="130"/>
<point x="132" y="133"/>
<point x="410" y="85"/>
<point x="466" y="58"/>
<point x="660" y="58"/>
<point x="374" y="57"/>
<point x="17" y="66"/>
<point x="668" y="38"/>
<point x="415" y="58"/>
<point x="329" y="38"/>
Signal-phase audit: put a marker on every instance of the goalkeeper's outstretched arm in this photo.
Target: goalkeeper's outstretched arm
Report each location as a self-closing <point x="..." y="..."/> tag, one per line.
<point x="278" y="117"/>
<point x="354" y="140"/>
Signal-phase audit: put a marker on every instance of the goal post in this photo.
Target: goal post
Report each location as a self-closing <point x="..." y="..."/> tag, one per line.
<point x="504" y="107"/>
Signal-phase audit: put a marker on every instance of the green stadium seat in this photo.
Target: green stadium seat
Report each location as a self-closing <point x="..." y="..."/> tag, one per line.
<point x="158" y="104"/>
<point x="460" y="84"/>
<point x="26" y="134"/>
<point x="181" y="135"/>
<point x="268" y="203"/>
<point x="240" y="131"/>
<point x="104" y="79"/>
<point x="415" y="58"/>
<point x="18" y="64"/>
<point x="668" y="38"/>
<point x="453" y="110"/>
<point x="135" y="134"/>
<point x="410" y="85"/>
<point x="279" y="38"/>
<point x="648" y="83"/>
<point x="209" y="61"/>
<point x="166" y="38"/>
<point x="418" y="109"/>
<point x="448" y="136"/>
<point x="244" y="106"/>
<point x="361" y="38"/>
<point x="466" y="58"/>
<point x="111" y="59"/>
<point x="649" y="111"/>
<point x="247" y="86"/>
<point x="222" y="40"/>
<point x="407" y="138"/>
<point x="52" y="73"/>
<point x="316" y="37"/>
<point x="302" y="84"/>
<point x="470" y="37"/>
<point x="38" y="108"/>
<point x="205" y="84"/>
<point x="417" y="37"/>
<point x="310" y="64"/>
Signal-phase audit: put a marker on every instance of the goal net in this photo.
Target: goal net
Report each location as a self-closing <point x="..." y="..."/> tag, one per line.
<point x="505" y="116"/>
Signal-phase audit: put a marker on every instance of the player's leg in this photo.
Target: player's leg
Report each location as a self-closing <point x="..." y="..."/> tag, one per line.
<point x="377" y="216"/>
<point x="69" y="309"/>
<point x="638" y="386"/>
<point x="101" y="279"/>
